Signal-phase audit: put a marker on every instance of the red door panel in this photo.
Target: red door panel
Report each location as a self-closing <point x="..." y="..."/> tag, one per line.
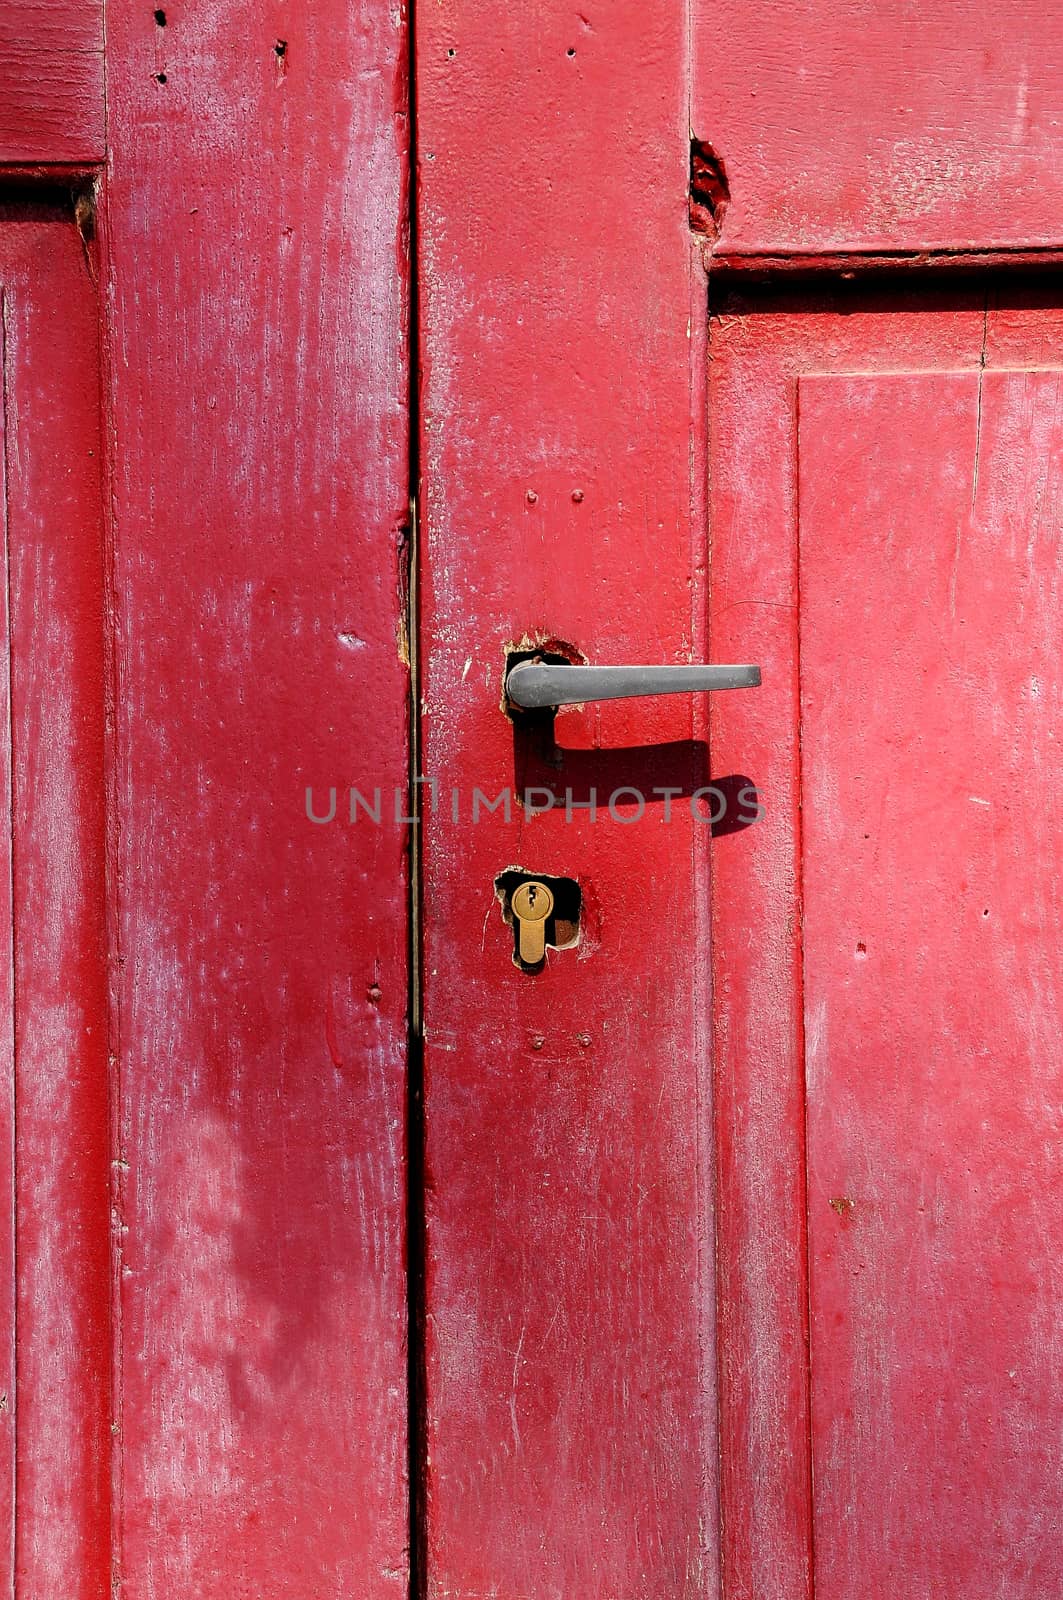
<point x="255" y="280"/>
<point x="889" y="1038"/>
<point x="843" y="126"/>
<point x="203" y="1298"/>
<point x="571" y="1443"/>
<point x="55" y="1400"/>
<point x="930" y="615"/>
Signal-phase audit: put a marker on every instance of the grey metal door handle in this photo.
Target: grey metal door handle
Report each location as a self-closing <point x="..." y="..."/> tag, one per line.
<point x="537" y="685"/>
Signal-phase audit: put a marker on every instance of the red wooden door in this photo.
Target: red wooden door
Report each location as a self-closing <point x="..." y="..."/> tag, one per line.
<point x="743" y="1212"/>
<point x="733" y="1227"/>
<point x="203" y="281"/>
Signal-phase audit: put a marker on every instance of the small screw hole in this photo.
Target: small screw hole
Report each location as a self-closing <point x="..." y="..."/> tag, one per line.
<point x="160" y="18"/>
<point x="570" y="51"/>
<point x="160" y="77"/>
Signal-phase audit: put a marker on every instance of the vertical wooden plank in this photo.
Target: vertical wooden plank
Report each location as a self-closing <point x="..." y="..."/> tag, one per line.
<point x="54" y="510"/>
<point x="7" y="1033"/>
<point x="256" y="283"/>
<point x="571" y="1440"/>
<point x="756" y="959"/>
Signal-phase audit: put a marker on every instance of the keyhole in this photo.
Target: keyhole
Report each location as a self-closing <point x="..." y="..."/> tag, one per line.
<point x="551" y="907"/>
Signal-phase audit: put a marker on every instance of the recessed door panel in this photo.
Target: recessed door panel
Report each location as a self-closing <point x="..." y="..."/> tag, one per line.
<point x="931" y="610"/>
<point x="889" y="1057"/>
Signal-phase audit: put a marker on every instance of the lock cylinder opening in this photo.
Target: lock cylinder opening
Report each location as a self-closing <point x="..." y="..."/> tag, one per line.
<point x="543" y="913"/>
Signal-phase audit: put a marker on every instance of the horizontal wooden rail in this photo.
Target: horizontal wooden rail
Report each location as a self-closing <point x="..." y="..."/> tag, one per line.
<point x="51" y="83"/>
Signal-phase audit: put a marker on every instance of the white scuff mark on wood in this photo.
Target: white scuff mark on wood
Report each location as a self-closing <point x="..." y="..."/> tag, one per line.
<point x="517" y="1354"/>
<point x="1018" y="126"/>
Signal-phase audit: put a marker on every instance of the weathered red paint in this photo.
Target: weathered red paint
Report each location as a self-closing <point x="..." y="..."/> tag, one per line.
<point x="51" y="83"/>
<point x="210" y="1293"/>
<point x="888" y="1039"/>
<point x="847" y="126"/>
<point x="791" y="1326"/>
<point x="257" y="386"/>
<point x="571" y="1431"/>
<point x="54" y="1300"/>
<point x="932" y="979"/>
<point x="571" y="1438"/>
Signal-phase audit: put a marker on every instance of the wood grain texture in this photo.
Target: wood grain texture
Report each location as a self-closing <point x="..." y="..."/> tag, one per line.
<point x="7" y="1023"/>
<point x="56" y="1381"/>
<point x="256" y="275"/>
<point x="932" y="915"/>
<point x="51" y="82"/>
<point x="912" y="1303"/>
<point x="850" y="126"/>
<point x="571" y="1431"/>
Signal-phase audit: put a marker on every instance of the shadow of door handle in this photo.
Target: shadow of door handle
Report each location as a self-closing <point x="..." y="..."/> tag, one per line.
<point x="540" y="685"/>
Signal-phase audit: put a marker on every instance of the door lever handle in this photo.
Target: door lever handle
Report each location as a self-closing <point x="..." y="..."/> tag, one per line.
<point x="539" y="685"/>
